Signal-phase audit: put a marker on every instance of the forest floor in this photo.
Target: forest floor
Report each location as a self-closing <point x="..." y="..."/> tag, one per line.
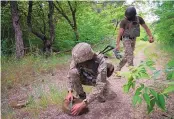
<point x="44" y="103"/>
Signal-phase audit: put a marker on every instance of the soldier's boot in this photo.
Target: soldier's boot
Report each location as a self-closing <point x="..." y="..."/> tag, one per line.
<point x="110" y="69"/>
<point x="82" y="96"/>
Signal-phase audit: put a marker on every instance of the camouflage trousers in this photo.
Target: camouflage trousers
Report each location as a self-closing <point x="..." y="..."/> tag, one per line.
<point x="78" y="88"/>
<point x="77" y="82"/>
<point x="129" y="46"/>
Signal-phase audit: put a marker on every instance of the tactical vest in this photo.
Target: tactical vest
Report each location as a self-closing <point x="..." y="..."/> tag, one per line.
<point x="132" y="29"/>
<point x="89" y="75"/>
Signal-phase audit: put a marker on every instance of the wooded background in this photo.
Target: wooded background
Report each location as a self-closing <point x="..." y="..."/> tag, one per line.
<point x="59" y="25"/>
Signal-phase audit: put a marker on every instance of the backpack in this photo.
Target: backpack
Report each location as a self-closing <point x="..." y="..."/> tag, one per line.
<point x="132" y="29"/>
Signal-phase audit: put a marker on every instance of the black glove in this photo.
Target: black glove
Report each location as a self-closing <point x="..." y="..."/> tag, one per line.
<point x="117" y="54"/>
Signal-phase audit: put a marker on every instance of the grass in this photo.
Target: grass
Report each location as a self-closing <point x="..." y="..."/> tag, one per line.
<point x="15" y="72"/>
<point x="140" y="45"/>
<point x="23" y="71"/>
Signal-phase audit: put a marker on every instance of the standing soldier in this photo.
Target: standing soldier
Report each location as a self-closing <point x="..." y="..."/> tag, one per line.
<point x="129" y="30"/>
<point x="87" y="68"/>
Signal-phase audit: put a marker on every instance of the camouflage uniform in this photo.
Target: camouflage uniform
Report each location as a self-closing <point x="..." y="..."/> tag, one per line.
<point x="131" y="31"/>
<point x="83" y="56"/>
<point x="129" y="45"/>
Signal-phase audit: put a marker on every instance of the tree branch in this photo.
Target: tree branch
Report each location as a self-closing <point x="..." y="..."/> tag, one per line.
<point x="63" y="14"/>
<point x="41" y="36"/>
<point x="69" y="3"/>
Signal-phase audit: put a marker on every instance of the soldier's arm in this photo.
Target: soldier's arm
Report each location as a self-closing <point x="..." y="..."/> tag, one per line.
<point x="147" y="31"/>
<point x="72" y="77"/>
<point x="120" y="33"/>
<point x="72" y="74"/>
<point x="100" y="81"/>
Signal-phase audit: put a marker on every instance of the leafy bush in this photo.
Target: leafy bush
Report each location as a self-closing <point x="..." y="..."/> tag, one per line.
<point x="169" y="70"/>
<point x="164" y="26"/>
<point x="150" y="96"/>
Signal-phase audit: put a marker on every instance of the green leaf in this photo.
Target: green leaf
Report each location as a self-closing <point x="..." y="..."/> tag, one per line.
<point x="161" y="102"/>
<point x="169" y="89"/>
<point x="125" y="74"/>
<point x="144" y="75"/>
<point x="150" y="63"/>
<point x="152" y="103"/>
<point x="139" y="101"/>
<point x="133" y="84"/>
<point x="146" y="98"/>
<point x="130" y="78"/>
<point x="154" y="93"/>
<point x="135" y="99"/>
<point x="146" y="90"/>
<point x="126" y="88"/>
<point x="138" y="90"/>
<point x="170" y="83"/>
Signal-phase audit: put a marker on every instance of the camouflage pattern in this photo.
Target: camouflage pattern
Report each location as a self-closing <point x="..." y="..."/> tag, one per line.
<point x="129" y="45"/>
<point x="82" y="52"/>
<point x="76" y="80"/>
<point x="132" y="28"/>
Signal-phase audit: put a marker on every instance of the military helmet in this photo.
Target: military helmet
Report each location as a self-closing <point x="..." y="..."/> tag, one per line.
<point x="130" y="12"/>
<point x="82" y="52"/>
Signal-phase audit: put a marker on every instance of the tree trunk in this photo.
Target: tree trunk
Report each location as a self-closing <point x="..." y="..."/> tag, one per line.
<point x="46" y="42"/>
<point x="76" y="33"/>
<point x="17" y="29"/>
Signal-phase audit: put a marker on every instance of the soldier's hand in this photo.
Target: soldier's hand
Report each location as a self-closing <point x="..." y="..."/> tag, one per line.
<point x="151" y="40"/>
<point x="77" y="108"/>
<point x="69" y="97"/>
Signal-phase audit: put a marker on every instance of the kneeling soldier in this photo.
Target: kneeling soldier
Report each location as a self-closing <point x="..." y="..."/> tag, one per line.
<point x="87" y="68"/>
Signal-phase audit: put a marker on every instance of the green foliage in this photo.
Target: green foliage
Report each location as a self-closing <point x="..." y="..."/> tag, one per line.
<point x="164" y="26"/>
<point x="150" y="96"/>
<point x="24" y="71"/>
<point x="169" y="70"/>
<point x="7" y="47"/>
<point x="92" y="25"/>
<point x="169" y="89"/>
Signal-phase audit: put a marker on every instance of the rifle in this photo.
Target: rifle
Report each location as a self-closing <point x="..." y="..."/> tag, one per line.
<point x="116" y="52"/>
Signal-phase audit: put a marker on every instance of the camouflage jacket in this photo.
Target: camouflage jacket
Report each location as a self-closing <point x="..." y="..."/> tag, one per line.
<point x="99" y="72"/>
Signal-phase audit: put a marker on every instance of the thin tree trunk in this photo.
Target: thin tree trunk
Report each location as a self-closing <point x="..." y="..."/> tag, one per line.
<point x="76" y="33"/>
<point x="17" y="29"/>
<point x="73" y="12"/>
<point x="46" y="43"/>
<point x="50" y="21"/>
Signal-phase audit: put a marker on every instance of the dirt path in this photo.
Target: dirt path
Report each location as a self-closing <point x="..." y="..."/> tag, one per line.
<point x="117" y="106"/>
